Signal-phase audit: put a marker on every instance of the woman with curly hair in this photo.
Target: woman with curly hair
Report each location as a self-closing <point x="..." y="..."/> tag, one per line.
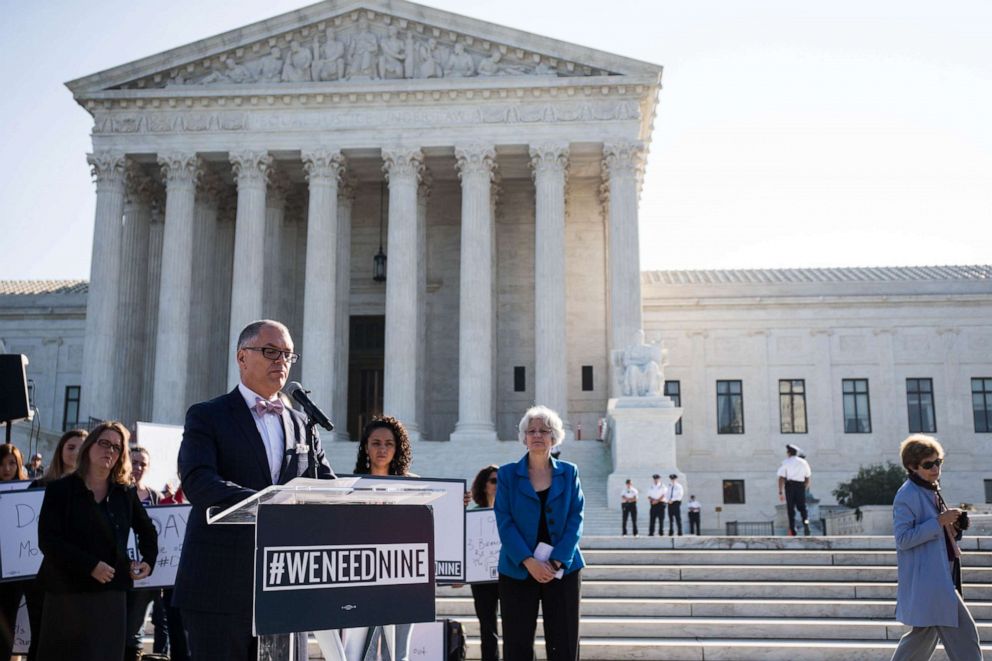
<point x="485" y="596"/>
<point x="83" y="530"/>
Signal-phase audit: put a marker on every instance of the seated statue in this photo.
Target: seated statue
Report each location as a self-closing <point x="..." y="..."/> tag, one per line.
<point x="640" y="368"/>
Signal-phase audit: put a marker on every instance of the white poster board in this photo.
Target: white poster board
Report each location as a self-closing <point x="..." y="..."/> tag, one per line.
<point x="22" y="630"/>
<point x="162" y="443"/>
<point x="170" y="524"/>
<point x="449" y="521"/>
<point x="20" y="556"/>
<point x="427" y="642"/>
<point x="481" y="546"/>
<point x="14" y="485"/>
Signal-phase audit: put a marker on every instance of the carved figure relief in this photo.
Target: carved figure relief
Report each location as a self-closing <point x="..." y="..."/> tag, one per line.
<point x="296" y="68"/>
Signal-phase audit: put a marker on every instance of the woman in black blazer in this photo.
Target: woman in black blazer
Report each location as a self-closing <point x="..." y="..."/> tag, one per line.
<point x="82" y="532"/>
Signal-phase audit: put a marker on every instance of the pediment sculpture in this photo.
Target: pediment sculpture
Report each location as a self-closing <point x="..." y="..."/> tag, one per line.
<point x="365" y="50"/>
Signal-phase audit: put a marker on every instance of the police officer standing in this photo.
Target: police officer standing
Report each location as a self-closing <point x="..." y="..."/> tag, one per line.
<point x="793" y="481"/>
<point x="628" y="503"/>
<point x="656" y="496"/>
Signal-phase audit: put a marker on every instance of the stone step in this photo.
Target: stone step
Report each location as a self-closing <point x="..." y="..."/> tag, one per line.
<point x="736" y="628"/>
<point x="759" y="557"/>
<point x="714" y="542"/>
<point x="687" y="649"/>
<point x="782" y="573"/>
<point x="744" y="608"/>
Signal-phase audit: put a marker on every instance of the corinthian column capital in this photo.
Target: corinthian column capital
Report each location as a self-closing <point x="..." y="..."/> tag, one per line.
<point x="402" y="162"/>
<point x="475" y="159"/>
<point x="180" y="167"/>
<point x="323" y="164"/>
<point x="251" y="167"/>
<point x="107" y="168"/>
<point x="549" y="158"/>
<point x="623" y="159"/>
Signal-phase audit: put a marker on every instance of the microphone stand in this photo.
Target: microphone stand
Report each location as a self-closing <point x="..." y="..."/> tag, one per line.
<point x="311" y="450"/>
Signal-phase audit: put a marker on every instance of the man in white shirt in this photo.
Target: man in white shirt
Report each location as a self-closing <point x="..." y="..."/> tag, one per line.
<point x="694" y="507"/>
<point x="675" y="493"/>
<point x="656" y="496"/>
<point x="628" y="505"/>
<point x="793" y="481"/>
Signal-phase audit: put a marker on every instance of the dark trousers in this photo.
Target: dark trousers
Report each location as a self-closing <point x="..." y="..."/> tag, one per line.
<point x="83" y="626"/>
<point x="629" y="510"/>
<point x="137" y="608"/>
<point x="656" y="513"/>
<point x="175" y="643"/>
<point x="10" y="601"/>
<point x="34" y="595"/>
<point x="674" y="516"/>
<point x="795" y="498"/>
<point x="220" y="636"/>
<point x="693" y="523"/>
<point x="559" y="601"/>
<point x="486" y="598"/>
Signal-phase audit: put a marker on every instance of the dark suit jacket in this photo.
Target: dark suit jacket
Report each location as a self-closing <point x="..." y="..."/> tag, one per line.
<point x="222" y="460"/>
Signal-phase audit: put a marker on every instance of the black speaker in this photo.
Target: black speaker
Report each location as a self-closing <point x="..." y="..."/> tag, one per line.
<point x="13" y="387"/>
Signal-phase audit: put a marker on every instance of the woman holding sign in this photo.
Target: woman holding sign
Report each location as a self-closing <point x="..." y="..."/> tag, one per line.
<point x="485" y="596"/>
<point x="539" y="509"/>
<point x="83" y="531"/>
<point x="11" y="469"/>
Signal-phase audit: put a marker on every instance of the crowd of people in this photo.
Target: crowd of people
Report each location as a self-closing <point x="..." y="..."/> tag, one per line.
<point x="83" y="604"/>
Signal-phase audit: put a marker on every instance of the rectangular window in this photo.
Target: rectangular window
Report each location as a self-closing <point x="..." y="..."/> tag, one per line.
<point x="733" y="492"/>
<point x="792" y="406"/>
<point x="587" y="378"/>
<point x="981" y="404"/>
<point x="857" y="412"/>
<point x="519" y="379"/>
<point x="919" y="404"/>
<point x="70" y="411"/>
<point x="673" y="390"/>
<point x="729" y="407"/>
<point x="988" y="491"/>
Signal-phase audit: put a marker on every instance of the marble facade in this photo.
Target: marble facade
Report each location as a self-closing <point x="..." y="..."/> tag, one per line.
<point x="244" y="176"/>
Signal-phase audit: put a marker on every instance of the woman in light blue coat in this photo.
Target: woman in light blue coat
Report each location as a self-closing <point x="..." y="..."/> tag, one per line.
<point x="928" y="598"/>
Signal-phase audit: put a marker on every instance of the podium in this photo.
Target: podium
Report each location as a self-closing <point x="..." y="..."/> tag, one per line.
<point x="330" y="555"/>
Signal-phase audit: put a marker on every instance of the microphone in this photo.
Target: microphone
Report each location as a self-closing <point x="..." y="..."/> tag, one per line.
<point x="300" y="394"/>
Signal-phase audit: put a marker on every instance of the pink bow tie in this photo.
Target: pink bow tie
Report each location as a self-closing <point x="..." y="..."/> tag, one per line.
<point x="264" y="406"/>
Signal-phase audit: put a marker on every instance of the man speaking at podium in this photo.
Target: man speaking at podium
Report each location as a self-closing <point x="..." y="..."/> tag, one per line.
<point x="232" y="447"/>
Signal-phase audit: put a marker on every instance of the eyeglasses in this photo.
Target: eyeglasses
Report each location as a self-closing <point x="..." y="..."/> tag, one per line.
<point x="538" y="432"/>
<point x="273" y="354"/>
<point x="927" y="465"/>
<point x="110" y="445"/>
<point x="492" y="480"/>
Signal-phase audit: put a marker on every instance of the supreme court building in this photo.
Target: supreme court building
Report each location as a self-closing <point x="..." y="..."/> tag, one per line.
<point x="256" y="174"/>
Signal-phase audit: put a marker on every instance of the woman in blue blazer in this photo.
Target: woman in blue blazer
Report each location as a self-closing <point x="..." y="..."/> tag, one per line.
<point x="928" y="557"/>
<point x="539" y="503"/>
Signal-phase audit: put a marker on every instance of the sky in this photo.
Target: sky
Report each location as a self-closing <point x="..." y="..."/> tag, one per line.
<point x="789" y="133"/>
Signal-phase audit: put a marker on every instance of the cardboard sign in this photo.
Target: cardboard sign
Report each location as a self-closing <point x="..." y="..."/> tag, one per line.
<point x="481" y="546"/>
<point x="427" y="642"/>
<point x="337" y="566"/>
<point x="170" y="524"/>
<point x="20" y="556"/>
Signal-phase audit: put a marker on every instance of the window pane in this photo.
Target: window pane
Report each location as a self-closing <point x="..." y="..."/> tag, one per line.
<point x="785" y="413"/>
<point x="733" y="492"/>
<point x="673" y="390"/>
<point x="799" y="414"/>
<point x="730" y="407"/>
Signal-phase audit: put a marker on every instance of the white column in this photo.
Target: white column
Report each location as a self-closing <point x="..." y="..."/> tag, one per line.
<point x="550" y="164"/>
<point x="475" y="312"/>
<point x="623" y="163"/>
<point x="172" y="344"/>
<point x="133" y="278"/>
<point x="223" y="263"/>
<point x="346" y="196"/>
<point x="100" y="344"/>
<point x="423" y="194"/>
<point x="323" y="167"/>
<point x="247" y="278"/>
<point x="204" y="274"/>
<point x="156" y="233"/>
<point x="399" y="397"/>
<point x="275" y="214"/>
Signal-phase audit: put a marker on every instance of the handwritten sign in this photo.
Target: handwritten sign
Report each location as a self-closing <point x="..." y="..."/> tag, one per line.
<point x="481" y="546"/>
<point x="22" y="630"/>
<point x="427" y="642"/>
<point x="20" y="556"/>
<point x="170" y="524"/>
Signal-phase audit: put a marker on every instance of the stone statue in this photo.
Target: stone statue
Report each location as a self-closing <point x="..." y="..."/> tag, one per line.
<point x="490" y="66"/>
<point x="331" y="65"/>
<point x="270" y="66"/>
<point x="460" y="63"/>
<point x="393" y="55"/>
<point x="296" y="68"/>
<point x="232" y="73"/>
<point x="363" y="52"/>
<point x="640" y="368"/>
<point x="430" y="60"/>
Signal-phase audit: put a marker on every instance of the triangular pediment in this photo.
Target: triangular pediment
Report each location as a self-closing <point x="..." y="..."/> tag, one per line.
<point x="359" y="42"/>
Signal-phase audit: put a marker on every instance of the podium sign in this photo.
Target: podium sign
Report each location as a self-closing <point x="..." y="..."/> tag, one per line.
<point x="321" y="566"/>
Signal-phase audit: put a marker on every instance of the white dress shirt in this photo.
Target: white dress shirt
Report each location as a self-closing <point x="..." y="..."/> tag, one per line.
<point x="694" y="505"/>
<point x="657" y="491"/>
<point x="675" y="492"/>
<point x="270" y="427"/>
<point x="629" y="492"/>
<point x="795" y="469"/>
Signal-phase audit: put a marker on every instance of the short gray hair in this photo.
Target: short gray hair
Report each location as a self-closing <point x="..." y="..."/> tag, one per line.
<point x="250" y="332"/>
<point x="550" y="418"/>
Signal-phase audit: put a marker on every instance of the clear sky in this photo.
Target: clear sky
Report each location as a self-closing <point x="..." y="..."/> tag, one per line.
<point x="790" y="133"/>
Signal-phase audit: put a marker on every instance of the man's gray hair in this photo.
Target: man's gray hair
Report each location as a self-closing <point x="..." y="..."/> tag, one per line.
<point x="250" y="332"/>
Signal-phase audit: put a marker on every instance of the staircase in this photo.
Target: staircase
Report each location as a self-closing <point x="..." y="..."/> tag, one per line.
<point x="743" y="598"/>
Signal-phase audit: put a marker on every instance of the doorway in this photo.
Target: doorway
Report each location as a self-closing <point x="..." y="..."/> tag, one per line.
<point x="365" y="371"/>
